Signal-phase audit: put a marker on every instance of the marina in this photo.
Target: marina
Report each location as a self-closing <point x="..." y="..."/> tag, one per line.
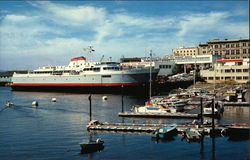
<point x="124" y="80"/>
<point x="73" y="111"/>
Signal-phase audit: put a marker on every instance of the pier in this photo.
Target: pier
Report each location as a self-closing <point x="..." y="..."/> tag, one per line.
<point x="158" y="115"/>
<point x="247" y="104"/>
<point x="148" y="128"/>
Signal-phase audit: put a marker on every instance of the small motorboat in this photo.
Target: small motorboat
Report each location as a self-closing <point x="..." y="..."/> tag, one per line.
<point x="9" y="104"/>
<point x="165" y="132"/>
<point x="218" y="110"/>
<point x="192" y="135"/>
<point x="91" y="146"/>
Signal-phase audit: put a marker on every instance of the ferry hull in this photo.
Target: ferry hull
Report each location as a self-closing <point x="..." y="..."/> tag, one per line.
<point x="131" y="89"/>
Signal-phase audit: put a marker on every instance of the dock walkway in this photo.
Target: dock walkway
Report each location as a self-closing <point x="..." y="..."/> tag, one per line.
<point x="130" y="127"/>
<point x="158" y="115"/>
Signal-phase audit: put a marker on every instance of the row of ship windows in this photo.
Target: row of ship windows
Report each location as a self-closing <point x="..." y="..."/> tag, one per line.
<point x="68" y="71"/>
<point x="165" y="66"/>
<point x="103" y="76"/>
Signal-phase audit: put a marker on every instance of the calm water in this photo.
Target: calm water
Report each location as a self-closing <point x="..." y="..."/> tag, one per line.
<point x="53" y="130"/>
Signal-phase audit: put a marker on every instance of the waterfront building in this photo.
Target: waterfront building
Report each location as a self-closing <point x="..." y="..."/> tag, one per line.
<point x="227" y="49"/>
<point x="195" y="62"/>
<point x="166" y="64"/>
<point x="236" y="70"/>
<point x="183" y="51"/>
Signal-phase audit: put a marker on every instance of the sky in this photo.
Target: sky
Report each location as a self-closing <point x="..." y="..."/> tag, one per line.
<point x="42" y="33"/>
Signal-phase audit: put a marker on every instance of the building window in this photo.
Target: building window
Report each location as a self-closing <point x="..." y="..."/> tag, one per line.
<point x="245" y="70"/>
<point x="216" y="46"/>
<point x="237" y="45"/>
<point x="232" y="52"/>
<point x="211" y="78"/>
<point x="239" y="63"/>
<point x="244" y="44"/>
<point x="217" y="78"/>
<point x="227" y="52"/>
<point x="238" y="70"/>
<point x="227" y="46"/>
<point x="237" y="51"/>
<point x="245" y="77"/>
<point x="244" y="51"/>
<point x="232" y="45"/>
<point x="239" y="78"/>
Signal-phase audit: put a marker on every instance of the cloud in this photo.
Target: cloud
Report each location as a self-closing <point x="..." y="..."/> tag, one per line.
<point x="51" y="33"/>
<point x="16" y="18"/>
<point x="71" y="15"/>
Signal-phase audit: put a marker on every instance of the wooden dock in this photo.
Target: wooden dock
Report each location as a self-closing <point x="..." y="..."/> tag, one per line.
<point x="247" y="104"/>
<point x="148" y="128"/>
<point x="158" y="115"/>
<point x="224" y="103"/>
<point x="126" y="127"/>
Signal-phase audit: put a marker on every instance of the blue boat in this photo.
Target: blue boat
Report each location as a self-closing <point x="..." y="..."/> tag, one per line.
<point x="165" y="132"/>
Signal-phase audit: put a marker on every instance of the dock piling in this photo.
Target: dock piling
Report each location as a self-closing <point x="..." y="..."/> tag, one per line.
<point x="213" y="116"/>
<point x="201" y="112"/>
<point x="90" y="108"/>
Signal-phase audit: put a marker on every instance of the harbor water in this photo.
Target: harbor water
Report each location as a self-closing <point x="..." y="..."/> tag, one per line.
<point x="53" y="130"/>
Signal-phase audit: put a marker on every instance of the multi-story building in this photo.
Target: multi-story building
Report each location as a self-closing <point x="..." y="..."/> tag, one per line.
<point x="230" y="49"/>
<point x="229" y="69"/>
<point x="227" y="49"/>
<point x="182" y="51"/>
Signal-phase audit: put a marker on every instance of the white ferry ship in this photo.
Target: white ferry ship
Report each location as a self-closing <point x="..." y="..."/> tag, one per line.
<point x="83" y="76"/>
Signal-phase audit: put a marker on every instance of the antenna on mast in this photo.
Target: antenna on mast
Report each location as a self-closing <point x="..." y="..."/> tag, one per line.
<point x="89" y="49"/>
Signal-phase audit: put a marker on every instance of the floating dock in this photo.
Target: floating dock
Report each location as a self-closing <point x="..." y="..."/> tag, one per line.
<point x="126" y="127"/>
<point x="236" y="104"/>
<point x="129" y="127"/>
<point x="158" y="115"/>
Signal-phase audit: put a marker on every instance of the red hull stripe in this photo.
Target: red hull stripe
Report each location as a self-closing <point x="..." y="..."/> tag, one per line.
<point x="76" y="84"/>
<point x="230" y="60"/>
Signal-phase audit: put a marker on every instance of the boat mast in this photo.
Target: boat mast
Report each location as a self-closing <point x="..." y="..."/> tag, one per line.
<point x="89" y="49"/>
<point x="150" y="76"/>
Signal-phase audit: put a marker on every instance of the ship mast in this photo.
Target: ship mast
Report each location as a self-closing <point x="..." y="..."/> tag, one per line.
<point x="150" y="76"/>
<point x="89" y="49"/>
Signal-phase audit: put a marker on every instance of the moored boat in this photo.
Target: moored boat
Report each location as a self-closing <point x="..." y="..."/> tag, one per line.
<point x="83" y="76"/>
<point x="9" y="104"/>
<point x="91" y="146"/>
<point x="241" y="130"/>
<point x="165" y="132"/>
<point x="192" y="135"/>
<point x="218" y="109"/>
